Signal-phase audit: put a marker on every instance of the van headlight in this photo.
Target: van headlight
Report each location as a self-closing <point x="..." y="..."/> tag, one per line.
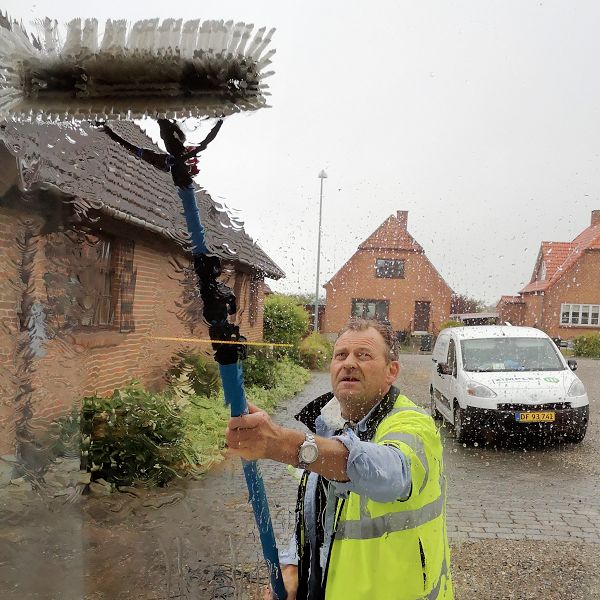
<point x="479" y="390"/>
<point x="577" y="389"/>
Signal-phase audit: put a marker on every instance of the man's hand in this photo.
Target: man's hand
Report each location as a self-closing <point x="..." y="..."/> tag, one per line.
<point x="254" y="435"/>
<point x="290" y="581"/>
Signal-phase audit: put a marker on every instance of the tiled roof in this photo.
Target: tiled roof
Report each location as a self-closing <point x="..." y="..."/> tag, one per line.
<point x="559" y="257"/>
<point x="85" y="165"/>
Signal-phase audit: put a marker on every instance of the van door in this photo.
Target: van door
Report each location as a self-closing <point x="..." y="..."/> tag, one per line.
<point x="440" y="353"/>
<point x="447" y="382"/>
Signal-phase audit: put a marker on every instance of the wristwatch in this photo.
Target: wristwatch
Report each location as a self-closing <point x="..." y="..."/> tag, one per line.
<point x="308" y="451"/>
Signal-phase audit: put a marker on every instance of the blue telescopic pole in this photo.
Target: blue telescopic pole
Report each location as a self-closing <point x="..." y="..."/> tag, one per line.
<point x="232" y="378"/>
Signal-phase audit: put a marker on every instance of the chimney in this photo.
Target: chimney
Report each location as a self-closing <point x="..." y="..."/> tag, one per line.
<point x="595" y="217"/>
<point x="402" y="216"/>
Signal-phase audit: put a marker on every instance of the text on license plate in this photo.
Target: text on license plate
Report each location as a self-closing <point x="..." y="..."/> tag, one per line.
<point x="535" y="416"/>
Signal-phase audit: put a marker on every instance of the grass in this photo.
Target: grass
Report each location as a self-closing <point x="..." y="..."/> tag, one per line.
<point x="206" y="418"/>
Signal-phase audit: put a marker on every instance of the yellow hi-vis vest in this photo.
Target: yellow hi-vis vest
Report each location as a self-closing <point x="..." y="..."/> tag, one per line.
<point x="396" y="550"/>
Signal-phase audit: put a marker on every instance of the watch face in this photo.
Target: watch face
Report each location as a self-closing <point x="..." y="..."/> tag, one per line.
<point x="309" y="453"/>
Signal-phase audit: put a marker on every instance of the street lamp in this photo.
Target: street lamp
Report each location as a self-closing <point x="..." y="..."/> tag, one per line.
<point x="322" y="175"/>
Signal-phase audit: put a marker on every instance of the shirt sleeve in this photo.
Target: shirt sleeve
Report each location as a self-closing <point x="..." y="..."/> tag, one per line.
<point x="289" y="555"/>
<point x="380" y="472"/>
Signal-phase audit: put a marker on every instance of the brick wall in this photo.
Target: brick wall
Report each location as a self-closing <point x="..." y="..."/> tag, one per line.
<point x="510" y="312"/>
<point x="9" y="295"/>
<point x="89" y="360"/>
<point x="356" y="279"/>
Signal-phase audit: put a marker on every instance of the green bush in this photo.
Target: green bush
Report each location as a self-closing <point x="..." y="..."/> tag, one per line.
<point x="193" y="373"/>
<point x="260" y="367"/>
<point x="315" y="351"/>
<point x="587" y="345"/>
<point x="139" y="437"/>
<point x="450" y="323"/>
<point x="206" y="419"/>
<point x="285" y="322"/>
<point x="135" y="435"/>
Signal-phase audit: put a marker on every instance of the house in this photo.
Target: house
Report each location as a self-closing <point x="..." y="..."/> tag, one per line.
<point x="389" y="278"/>
<point x="94" y="269"/>
<point x="563" y="295"/>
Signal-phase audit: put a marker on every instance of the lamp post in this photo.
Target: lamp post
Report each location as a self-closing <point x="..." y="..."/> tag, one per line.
<point x="322" y="175"/>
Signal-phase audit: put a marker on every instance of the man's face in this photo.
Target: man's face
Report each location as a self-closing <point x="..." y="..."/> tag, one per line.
<point x="359" y="370"/>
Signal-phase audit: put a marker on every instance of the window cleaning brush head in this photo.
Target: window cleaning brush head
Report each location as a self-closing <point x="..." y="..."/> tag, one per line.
<point x="169" y="69"/>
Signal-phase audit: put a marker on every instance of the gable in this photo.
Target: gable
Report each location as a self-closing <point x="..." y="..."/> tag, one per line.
<point x="391" y="235"/>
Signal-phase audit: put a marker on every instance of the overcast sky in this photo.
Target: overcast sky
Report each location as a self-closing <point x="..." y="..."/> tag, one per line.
<point x="480" y="118"/>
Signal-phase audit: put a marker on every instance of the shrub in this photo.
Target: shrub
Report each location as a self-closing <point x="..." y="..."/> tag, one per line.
<point x="289" y="380"/>
<point x="193" y="373"/>
<point x="285" y="322"/>
<point x="315" y="351"/>
<point x="450" y="323"/>
<point x="206" y="419"/>
<point x="135" y="435"/>
<point x="260" y="367"/>
<point x="587" y="345"/>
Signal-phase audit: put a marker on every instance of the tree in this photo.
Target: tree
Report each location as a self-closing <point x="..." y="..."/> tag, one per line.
<point x="461" y="304"/>
<point x="285" y="321"/>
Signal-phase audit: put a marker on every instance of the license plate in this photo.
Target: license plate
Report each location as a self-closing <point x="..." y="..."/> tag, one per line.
<point x="535" y="417"/>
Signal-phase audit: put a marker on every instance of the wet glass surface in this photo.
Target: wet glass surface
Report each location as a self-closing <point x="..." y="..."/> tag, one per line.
<point x="114" y="479"/>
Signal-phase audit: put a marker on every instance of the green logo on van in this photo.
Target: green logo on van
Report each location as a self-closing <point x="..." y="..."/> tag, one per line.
<point x="552" y="379"/>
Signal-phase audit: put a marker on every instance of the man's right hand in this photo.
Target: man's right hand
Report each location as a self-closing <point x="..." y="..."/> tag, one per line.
<point x="290" y="581"/>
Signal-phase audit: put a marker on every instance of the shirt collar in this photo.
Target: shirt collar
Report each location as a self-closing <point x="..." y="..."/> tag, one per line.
<point x="366" y="427"/>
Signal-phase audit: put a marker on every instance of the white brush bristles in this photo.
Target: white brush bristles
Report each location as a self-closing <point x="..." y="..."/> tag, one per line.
<point x="124" y="64"/>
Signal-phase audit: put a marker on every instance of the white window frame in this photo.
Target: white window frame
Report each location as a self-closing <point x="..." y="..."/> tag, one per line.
<point x="571" y="315"/>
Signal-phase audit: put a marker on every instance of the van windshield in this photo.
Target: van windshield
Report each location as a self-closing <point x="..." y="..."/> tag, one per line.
<point x="510" y="354"/>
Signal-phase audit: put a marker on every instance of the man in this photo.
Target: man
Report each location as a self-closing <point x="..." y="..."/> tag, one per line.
<point x="371" y="519"/>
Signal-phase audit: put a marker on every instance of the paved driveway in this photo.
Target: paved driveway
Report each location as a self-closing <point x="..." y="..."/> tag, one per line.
<point x="552" y="493"/>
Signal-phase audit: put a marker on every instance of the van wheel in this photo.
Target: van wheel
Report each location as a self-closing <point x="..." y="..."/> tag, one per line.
<point x="435" y="413"/>
<point x="461" y="429"/>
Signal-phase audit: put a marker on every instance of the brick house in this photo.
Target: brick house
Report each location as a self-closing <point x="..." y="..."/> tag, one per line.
<point x="94" y="267"/>
<point x="389" y="277"/>
<point x="563" y="296"/>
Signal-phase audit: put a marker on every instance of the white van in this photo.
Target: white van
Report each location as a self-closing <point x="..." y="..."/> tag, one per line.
<point x="496" y="379"/>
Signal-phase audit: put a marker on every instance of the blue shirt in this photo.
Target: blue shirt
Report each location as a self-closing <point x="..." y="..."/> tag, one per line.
<point x="381" y="473"/>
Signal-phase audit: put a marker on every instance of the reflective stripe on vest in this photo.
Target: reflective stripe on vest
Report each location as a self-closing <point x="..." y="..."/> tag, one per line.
<point x="369" y="528"/>
<point x="416" y="444"/>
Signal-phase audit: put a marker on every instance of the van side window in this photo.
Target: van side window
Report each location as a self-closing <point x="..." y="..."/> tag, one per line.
<point x="441" y="349"/>
<point x="452" y="356"/>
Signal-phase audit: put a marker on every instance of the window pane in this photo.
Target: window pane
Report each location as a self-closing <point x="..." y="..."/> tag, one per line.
<point x="575" y="308"/>
<point x="595" y="310"/>
<point x="585" y="314"/>
<point x="389" y="268"/>
<point x="370" y="310"/>
<point x="357" y="308"/>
